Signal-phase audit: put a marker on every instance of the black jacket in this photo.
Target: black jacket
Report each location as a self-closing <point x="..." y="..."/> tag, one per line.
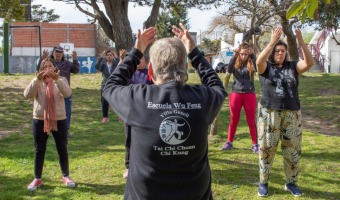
<point x="243" y="83"/>
<point x="169" y="130"/>
<point x="102" y="67"/>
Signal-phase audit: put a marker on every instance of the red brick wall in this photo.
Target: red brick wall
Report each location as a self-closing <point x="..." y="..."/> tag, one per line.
<point x="82" y="35"/>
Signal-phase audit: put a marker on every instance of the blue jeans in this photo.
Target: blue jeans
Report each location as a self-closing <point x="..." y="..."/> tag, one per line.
<point x="68" y="109"/>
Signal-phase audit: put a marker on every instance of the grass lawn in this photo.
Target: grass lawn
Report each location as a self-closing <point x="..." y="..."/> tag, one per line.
<point x="96" y="151"/>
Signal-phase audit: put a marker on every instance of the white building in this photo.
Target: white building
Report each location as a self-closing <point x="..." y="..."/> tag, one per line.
<point x="326" y="51"/>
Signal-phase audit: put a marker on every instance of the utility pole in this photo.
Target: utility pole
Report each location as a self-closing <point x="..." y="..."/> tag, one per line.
<point x="6" y="47"/>
<point x="200" y="36"/>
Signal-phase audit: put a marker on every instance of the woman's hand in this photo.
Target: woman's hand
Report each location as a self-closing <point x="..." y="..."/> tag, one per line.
<point x="40" y="75"/>
<point x="122" y="54"/>
<point x="299" y="37"/>
<point x="145" y="38"/>
<point x="45" y="54"/>
<point x="183" y="34"/>
<point x="74" y="55"/>
<point x="103" y="55"/>
<point x="276" y="35"/>
<point x="54" y="75"/>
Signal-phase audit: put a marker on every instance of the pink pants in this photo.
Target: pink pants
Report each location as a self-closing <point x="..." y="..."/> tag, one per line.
<point x="248" y="101"/>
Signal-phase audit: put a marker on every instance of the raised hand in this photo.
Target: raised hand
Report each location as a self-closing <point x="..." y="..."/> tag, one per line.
<point x="103" y="55"/>
<point x="40" y="75"/>
<point x="276" y="35"/>
<point x="55" y="75"/>
<point x="74" y="55"/>
<point x="183" y="34"/>
<point x="299" y="37"/>
<point x="45" y="54"/>
<point x="145" y="38"/>
<point x="122" y="54"/>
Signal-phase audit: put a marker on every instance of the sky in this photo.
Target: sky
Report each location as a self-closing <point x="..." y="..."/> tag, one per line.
<point x="199" y="20"/>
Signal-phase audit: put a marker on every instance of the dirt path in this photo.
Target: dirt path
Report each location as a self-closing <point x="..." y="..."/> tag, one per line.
<point x="321" y="127"/>
<point x="5" y="133"/>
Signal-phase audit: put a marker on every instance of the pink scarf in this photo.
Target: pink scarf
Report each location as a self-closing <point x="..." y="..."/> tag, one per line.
<point x="50" y="119"/>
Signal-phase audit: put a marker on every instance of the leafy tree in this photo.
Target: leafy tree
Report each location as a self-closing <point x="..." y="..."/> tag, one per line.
<point x="173" y="14"/>
<point x="12" y="10"/>
<point x="210" y="46"/>
<point x="327" y="16"/>
<point x="307" y="8"/>
<point x="114" y="19"/>
<point x="241" y="16"/>
<point x="324" y="13"/>
<point x="41" y="14"/>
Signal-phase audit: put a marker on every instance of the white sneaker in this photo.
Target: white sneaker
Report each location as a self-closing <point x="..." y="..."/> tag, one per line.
<point x="126" y="173"/>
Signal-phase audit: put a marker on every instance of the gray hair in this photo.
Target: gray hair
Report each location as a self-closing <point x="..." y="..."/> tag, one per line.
<point x="168" y="59"/>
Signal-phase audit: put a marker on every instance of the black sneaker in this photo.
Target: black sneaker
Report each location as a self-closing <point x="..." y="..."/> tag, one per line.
<point x="263" y="190"/>
<point x="291" y="187"/>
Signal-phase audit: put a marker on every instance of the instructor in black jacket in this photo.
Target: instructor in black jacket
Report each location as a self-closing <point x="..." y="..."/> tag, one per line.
<point x="168" y="120"/>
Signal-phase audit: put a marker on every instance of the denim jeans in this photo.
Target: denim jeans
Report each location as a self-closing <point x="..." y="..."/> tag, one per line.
<point x="68" y="109"/>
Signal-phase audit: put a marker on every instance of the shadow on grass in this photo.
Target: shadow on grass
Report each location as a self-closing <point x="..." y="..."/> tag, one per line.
<point x="101" y="189"/>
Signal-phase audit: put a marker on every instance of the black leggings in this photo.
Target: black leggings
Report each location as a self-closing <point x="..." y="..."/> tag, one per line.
<point x="105" y="105"/>
<point x="127" y="130"/>
<point x="40" y="141"/>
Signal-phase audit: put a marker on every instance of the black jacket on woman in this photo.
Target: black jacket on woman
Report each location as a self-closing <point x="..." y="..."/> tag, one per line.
<point x="101" y="65"/>
<point x="169" y="130"/>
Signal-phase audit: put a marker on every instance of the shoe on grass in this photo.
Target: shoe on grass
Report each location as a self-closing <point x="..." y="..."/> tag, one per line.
<point x="263" y="190"/>
<point x="255" y="148"/>
<point x="126" y="173"/>
<point x="105" y="119"/>
<point x="292" y="188"/>
<point x="34" y="184"/>
<point x="227" y="146"/>
<point x="69" y="182"/>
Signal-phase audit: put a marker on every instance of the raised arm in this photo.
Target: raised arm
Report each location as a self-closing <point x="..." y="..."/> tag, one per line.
<point x="122" y="54"/>
<point x="75" y="66"/>
<point x="98" y="65"/>
<point x="207" y="75"/>
<point x="145" y="38"/>
<point x="307" y="62"/>
<point x="264" y="55"/>
<point x="183" y="34"/>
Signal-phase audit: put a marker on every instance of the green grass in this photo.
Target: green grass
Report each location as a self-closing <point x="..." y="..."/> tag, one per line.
<point x="96" y="151"/>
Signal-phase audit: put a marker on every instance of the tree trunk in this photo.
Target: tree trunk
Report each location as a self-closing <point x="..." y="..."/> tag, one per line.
<point x="214" y="125"/>
<point x="114" y="22"/>
<point x="121" y="28"/>
<point x="291" y="39"/>
<point x="152" y="19"/>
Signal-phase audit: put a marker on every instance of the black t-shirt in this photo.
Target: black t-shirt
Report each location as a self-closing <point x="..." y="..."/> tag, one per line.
<point x="169" y="128"/>
<point x="280" y="87"/>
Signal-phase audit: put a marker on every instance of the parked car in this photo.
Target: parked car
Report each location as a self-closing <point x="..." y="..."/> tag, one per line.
<point x="221" y="67"/>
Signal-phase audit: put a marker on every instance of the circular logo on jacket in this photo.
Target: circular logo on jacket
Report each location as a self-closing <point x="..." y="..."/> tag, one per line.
<point x="174" y="130"/>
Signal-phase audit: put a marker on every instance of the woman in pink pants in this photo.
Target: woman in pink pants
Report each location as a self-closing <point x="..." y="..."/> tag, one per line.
<point x="243" y="68"/>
